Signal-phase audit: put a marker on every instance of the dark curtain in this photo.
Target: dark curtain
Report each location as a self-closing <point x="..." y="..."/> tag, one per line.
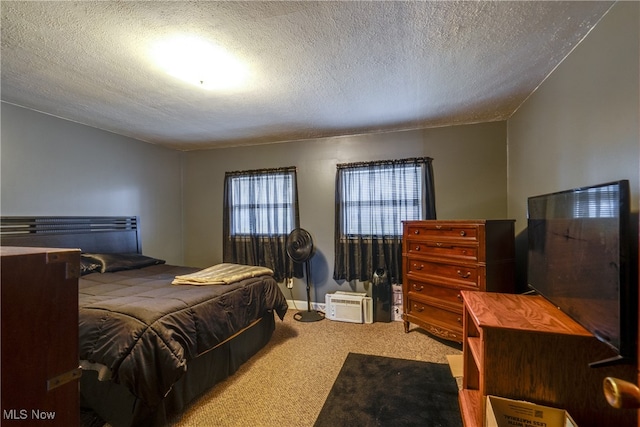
<point x="258" y="216"/>
<point x="372" y="200"/>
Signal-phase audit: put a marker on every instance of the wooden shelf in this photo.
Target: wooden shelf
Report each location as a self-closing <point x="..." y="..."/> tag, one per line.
<point x="527" y="313"/>
<point x="522" y="347"/>
<point x="475" y="346"/>
<point x="470" y="406"/>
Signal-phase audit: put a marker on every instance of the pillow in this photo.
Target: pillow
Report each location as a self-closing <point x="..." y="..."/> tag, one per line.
<point x="110" y="263"/>
<point x="87" y="266"/>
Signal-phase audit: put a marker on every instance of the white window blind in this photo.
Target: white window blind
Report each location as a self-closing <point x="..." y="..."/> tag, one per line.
<point x="599" y="202"/>
<point x="376" y="199"/>
<point x="262" y="205"/>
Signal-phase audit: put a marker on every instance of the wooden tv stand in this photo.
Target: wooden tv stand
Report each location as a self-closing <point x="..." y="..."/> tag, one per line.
<point x="522" y="347"/>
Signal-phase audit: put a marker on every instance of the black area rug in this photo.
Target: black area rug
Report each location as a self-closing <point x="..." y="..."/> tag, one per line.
<point x="383" y="391"/>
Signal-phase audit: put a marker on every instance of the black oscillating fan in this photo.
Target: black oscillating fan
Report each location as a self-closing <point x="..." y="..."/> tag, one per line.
<point x="300" y="250"/>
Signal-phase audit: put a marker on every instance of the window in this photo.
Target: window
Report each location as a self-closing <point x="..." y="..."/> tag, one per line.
<point x="262" y="204"/>
<point x="598" y="202"/>
<point x="372" y="200"/>
<point x="377" y="198"/>
<point x="260" y="210"/>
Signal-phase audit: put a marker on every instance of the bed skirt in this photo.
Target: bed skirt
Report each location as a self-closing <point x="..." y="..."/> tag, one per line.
<point x="116" y="405"/>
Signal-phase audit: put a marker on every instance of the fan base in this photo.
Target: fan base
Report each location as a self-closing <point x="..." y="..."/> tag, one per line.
<point x="308" y="316"/>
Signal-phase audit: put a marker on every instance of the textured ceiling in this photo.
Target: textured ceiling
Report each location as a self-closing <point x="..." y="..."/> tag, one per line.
<point x="317" y="68"/>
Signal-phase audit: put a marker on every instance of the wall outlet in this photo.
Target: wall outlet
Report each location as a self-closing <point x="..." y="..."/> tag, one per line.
<point x="289" y="283"/>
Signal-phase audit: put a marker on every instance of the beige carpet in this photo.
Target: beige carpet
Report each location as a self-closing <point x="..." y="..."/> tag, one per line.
<point x="287" y="382"/>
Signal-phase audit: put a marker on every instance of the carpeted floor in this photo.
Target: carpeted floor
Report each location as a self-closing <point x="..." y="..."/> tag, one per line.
<point x="288" y="381"/>
<point x="382" y="391"/>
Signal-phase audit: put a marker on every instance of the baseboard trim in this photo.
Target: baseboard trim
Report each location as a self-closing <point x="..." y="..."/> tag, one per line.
<point x="298" y="305"/>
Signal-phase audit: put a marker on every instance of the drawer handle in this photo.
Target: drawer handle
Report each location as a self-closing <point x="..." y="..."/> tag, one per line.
<point x="417" y="248"/>
<point x="442" y="245"/>
<point x="459" y="320"/>
<point x="459" y="296"/>
<point x="416" y="231"/>
<point x="418" y="267"/>
<point x="418" y="309"/>
<point x="463" y="233"/>
<point x="464" y="275"/>
<point x="418" y="288"/>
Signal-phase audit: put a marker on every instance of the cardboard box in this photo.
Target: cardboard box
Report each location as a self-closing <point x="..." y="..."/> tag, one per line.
<point x="501" y="412"/>
<point x="396" y="314"/>
<point x="396" y="301"/>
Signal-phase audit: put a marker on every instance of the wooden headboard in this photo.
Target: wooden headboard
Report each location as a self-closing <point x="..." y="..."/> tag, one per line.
<point x="98" y="234"/>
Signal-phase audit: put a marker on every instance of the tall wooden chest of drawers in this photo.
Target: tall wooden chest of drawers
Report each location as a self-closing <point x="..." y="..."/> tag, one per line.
<point x="440" y="258"/>
<point x="40" y="372"/>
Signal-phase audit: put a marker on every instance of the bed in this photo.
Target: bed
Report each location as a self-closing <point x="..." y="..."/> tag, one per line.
<point x="148" y="347"/>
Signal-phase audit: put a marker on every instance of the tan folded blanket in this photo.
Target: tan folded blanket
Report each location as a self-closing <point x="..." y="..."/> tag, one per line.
<point x="222" y="274"/>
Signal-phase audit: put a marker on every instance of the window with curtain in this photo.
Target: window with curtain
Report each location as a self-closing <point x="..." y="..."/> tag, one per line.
<point x="260" y="210"/>
<point x="372" y="200"/>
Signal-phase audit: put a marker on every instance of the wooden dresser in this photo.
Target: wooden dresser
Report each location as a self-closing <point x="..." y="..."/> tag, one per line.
<point x="39" y="303"/>
<point x="441" y="258"/>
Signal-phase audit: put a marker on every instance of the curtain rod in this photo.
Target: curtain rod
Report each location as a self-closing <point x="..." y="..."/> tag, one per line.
<point x="385" y="162"/>
<point x="265" y="170"/>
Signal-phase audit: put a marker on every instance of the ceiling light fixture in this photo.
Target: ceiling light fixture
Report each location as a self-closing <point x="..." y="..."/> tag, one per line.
<point x="200" y="63"/>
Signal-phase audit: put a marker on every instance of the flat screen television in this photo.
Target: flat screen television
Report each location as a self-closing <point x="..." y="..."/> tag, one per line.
<point x="579" y="244"/>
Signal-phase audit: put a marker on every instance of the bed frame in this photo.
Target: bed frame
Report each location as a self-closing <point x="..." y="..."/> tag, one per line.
<point x="113" y="402"/>
<point x="105" y="234"/>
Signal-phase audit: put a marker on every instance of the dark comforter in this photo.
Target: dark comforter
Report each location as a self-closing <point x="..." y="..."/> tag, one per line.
<point x="145" y="330"/>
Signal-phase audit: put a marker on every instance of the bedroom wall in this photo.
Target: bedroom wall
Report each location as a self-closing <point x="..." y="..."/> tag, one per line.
<point x="581" y="126"/>
<point x="51" y="166"/>
<point x="470" y="178"/>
